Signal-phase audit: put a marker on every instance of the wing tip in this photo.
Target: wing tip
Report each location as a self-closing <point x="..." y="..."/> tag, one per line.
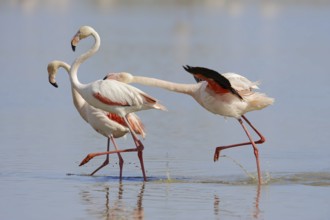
<point x="212" y="74"/>
<point x="187" y="68"/>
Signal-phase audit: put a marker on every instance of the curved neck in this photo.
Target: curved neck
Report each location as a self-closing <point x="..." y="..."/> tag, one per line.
<point x="188" y="89"/>
<point x="64" y="66"/>
<point x="82" y="58"/>
<point x="78" y="101"/>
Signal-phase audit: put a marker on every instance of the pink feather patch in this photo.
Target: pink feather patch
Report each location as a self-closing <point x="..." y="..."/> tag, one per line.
<point x="107" y="101"/>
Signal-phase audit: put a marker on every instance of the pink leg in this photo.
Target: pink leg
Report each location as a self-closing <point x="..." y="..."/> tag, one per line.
<point x="92" y="155"/>
<point x="121" y="161"/>
<point x="260" y="141"/>
<point x="262" y="138"/>
<point x="140" y="155"/>
<point x="256" y="152"/>
<point x="138" y="143"/>
<point x="106" y="162"/>
<point x="139" y="148"/>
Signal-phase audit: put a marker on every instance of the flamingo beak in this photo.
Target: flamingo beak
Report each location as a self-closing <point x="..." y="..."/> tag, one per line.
<point x="52" y="71"/>
<point x="111" y="76"/>
<point x="106" y="77"/>
<point x="54" y="84"/>
<point x="52" y="80"/>
<point x="75" y="41"/>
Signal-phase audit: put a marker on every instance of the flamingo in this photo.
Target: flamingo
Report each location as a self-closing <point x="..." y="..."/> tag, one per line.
<point x="110" y="95"/>
<point x="228" y="94"/>
<point x="107" y="124"/>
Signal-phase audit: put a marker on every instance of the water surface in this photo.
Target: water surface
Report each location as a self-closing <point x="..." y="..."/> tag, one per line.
<point x="43" y="139"/>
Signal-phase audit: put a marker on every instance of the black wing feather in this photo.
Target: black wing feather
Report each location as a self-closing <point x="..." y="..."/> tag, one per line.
<point x="212" y="74"/>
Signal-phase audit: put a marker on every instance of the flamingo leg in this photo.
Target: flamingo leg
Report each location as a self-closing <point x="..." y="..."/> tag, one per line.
<point x="255" y="149"/>
<point x="92" y="155"/>
<point x="139" y="148"/>
<point x="262" y="138"/>
<point x="121" y="161"/>
<point x="138" y="143"/>
<point x="140" y="155"/>
<point x="106" y="162"/>
<point x="260" y="141"/>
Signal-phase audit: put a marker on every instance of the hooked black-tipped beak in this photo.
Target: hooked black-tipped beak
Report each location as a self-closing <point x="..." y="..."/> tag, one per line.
<point x="75" y="41"/>
<point x="105" y="77"/>
<point x="54" y="84"/>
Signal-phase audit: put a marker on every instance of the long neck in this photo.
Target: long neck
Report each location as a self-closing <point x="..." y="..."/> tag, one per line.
<point x="188" y="89"/>
<point x="78" y="101"/>
<point x="64" y="66"/>
<point x="82" y="58"/>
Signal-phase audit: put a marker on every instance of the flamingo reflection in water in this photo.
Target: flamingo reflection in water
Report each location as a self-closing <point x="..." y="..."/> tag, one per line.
<point x="220" y="212"/>
<point x="103" y="203"/>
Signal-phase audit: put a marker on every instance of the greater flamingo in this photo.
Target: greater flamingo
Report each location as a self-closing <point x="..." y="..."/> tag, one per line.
<point x="110" y="95"/>
<point x="228" y="94"/>
<point x="107" y="124"/>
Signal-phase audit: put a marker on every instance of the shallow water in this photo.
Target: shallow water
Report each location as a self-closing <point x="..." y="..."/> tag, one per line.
<point x="43" y="139"/>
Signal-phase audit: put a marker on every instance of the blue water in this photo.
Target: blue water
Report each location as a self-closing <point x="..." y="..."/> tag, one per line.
<point x="43" y="138"/>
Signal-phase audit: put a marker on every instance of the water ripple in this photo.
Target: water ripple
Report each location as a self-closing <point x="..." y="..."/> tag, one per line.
<point x="304" y="178"/>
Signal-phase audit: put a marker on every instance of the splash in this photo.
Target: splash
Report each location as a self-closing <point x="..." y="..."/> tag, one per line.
<point x="254" y="177"/>
<point x="168" y="175"/>
<point x="240" y="165"/>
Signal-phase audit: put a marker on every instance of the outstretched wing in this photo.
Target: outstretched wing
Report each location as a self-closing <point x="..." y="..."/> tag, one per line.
<point x="217" y="82"/>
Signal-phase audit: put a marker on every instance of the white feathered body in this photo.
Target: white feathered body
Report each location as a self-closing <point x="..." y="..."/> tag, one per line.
<point x="228" y="104"/>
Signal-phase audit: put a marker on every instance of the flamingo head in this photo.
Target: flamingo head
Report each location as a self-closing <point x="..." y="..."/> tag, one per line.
<point x="52" y="69"/>
<point x="121" y="77"/>
<point x="82" y="33"/>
